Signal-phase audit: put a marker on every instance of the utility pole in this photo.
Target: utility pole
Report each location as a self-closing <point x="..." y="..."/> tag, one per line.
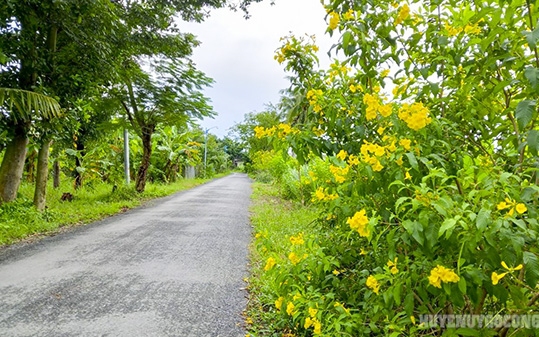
<point x="126" y="157"/>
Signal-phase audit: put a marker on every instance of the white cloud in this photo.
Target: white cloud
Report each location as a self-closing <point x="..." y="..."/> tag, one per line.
<point x="238" y="55"/>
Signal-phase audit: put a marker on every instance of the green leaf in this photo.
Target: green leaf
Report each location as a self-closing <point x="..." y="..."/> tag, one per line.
<point x="413" y="161"/>
<point x="532" y="268"/>
<point x="346" y="39"/>
<point x="447" y="225"/>
<point x="524" y="112"/>
<point x="415" y="229"/>
<point x="467" y="332"/>
<point x="532" y="37"/>
<point x="532" y="74"/>
<point x="483" y="219"/>
<point x="462" y="285"/>
<point x="533" y="142"/>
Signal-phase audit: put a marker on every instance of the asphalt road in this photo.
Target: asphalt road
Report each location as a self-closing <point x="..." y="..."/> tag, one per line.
<point x="172" y="268"/>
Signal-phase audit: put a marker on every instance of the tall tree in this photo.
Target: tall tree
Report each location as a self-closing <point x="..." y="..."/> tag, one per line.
<point x="170" y="94"/>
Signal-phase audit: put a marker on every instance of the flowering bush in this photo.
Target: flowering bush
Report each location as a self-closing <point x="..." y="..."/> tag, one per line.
<point x="431" y="205"/>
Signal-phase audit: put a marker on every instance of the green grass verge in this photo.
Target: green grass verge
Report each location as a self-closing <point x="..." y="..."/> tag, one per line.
<point x="274" y="221"/>
<point x="20" y="220"/>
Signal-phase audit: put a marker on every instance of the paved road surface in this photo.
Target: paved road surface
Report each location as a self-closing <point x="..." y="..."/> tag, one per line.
<point x="172" y="268"/>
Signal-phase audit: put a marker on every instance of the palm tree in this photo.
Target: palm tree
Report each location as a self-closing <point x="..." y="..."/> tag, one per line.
<point x="19" y="107"/>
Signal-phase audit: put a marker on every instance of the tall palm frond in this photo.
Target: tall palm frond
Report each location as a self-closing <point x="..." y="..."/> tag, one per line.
<point x="21" y="105"/>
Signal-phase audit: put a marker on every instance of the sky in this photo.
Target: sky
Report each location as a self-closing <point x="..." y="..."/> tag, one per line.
<point x="238" y="55"/>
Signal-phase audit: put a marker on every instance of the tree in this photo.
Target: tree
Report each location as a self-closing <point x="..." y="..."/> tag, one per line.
<point x="170" y="95"/>
<point x="19" y="107"/>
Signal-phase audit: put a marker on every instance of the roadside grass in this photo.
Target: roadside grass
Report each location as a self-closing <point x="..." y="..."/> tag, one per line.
<point x="274" y="221"/>
<point x="19" y="220"/>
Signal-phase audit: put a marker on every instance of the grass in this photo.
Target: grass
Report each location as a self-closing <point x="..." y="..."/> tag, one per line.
<point x="19" y="220"/>
<point x="274" y="221"/>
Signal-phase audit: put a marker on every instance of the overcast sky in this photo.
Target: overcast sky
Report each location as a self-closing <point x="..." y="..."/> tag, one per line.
<point x="238" y="55"/>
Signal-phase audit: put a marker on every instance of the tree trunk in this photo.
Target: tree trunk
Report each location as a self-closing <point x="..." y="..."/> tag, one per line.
<point x="30" y="166"/>
<point x="56" y="174"/>
<point x="40" y="192"/>
<point x="142" y="173"/>
<point x="13" y="165"/>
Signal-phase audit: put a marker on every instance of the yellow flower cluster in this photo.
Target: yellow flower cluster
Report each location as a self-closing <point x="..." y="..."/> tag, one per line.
<point x="359" y="223"/>
<point x="321" y="194"/>
<point x="314" y="96"/>
<point x="441" y="274"/>
<point x="373" y="284"/>
<point x="290" y="308"/>
<point x="333" y="20"/>
<point x="349" y="15"/>
<point x="370" y="154"/>
<point x="374" y="106"/>
<point x="339" y="173"/>
<point x="416" y="115"/>
<point x="495" y="277"/>
<point x="312" y="321"/>
<point x="270" y="263"/>
<point x="404" y="11"/>
<point x="280" y="55"/>
<point x="470" y="29"/>
<point x="298" y="239"/>
<point x="279" y="303"/>
<point x="392" y="265"/>
<point x="281" y="131"/>
<point x="513" y="206"/>
<point x="340" y="305"/>
<point x="295" y="259"/>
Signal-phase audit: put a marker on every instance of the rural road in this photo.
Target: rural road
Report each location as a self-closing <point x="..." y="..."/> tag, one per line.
<point x="172" y="268"/>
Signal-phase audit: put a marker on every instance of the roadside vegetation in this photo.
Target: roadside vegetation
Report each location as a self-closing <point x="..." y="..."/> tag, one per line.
<point x="19" y="220"/>
<point x="418" y="152"/>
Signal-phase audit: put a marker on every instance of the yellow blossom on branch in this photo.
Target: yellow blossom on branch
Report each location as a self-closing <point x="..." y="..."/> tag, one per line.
<point x="333" y="20"/>
<point x="416" y="115"/>
<point x="373" y="284"/>
<point x="298" y="239"/>
<point x="441" y="274"/>
<point x="290" y="308"/>
<point x="359" y="223"/>
<point x="393" y="266"/>
<point x="269" y="263"/>
<point x="495" y="277"/>
<point x="404" y="11"/>
<point x="342" y="155"/>
<point x="279" y="303"/>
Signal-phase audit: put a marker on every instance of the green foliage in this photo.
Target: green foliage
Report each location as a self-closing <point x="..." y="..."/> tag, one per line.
<point x="431" y="205"/>
<point x="20" y="220"/>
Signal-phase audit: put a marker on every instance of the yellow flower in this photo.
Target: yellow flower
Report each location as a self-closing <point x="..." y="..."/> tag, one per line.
<point x="373" y="284"/>
<point x="342" y="155"/>
<point x="298" y="239"/>
<point x="290" y="308"/>
<point x="259" y="131"/>
<point x="362" y="252"/>
<point x="442" y="274"/>
<point x="317" y="327"/>
<point x="353" y="88"/>
<point x="336" y="272"/>
<point x="294" y="258"/>
<point x="416" y="115"/>
<point x="384" y="73"/>
<point x="333" y="20"/>
<point x="521" y="208"/>
<point x="312" y="312"/>
<point x="519" y="267"/>
<point x="380" y="130"/>
<point x="319" y="194"/>
<point x="296" y="296"/>
<point x="393" y="266"/>
<point x="279" y="303"/>
<point x="349" y="15"/>
<point x="404" y="11"/>
<point x="502" y="205"/>
<point x="407" y="176"/>
<point x="308" y="322"/>
<point x="405" y="143"/>
<point x="353" y="160"/>
<point x="385" y="110"/>
<point x="497" y="277"/>
<point x="359" y="223"/>
<point x="269" y="263"/>
<point x="399" y="161"/>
